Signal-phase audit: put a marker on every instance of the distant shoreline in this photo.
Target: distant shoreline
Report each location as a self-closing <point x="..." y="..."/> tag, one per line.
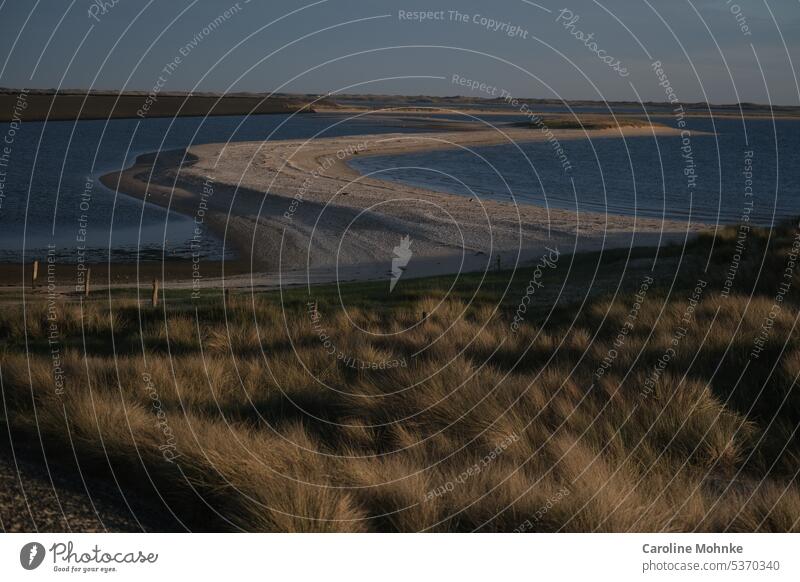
<point x="455" y="110"/>
<point x="72" y="106"/>
<point x="498" y="104"/>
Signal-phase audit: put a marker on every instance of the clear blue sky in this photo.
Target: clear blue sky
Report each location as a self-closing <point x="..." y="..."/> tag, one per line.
<point x="50" y="43"/>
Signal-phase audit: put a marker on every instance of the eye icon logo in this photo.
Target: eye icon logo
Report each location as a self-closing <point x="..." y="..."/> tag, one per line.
<point x="31" y="555"/>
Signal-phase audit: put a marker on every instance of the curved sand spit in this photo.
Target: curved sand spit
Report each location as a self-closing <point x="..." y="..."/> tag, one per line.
<point x="295" y="208"/>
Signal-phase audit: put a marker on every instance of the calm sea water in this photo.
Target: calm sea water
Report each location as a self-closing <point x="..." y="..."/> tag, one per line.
<point x="51" y="194"/>
<point x="639" y="176"/>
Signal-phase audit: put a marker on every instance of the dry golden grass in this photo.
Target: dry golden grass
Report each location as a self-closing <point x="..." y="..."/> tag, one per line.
<point x="243" y="420"/>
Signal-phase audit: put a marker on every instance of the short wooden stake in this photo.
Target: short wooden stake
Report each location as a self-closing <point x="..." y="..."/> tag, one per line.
<point x="88" y="279"/>
<point x="35" y="273"/>
<point x="155" y="292"/>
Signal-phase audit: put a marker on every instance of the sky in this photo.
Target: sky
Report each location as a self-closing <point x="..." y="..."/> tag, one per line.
<point x="709" y="50"/>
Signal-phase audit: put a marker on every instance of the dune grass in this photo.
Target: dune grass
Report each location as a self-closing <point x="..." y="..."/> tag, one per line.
<point x="286" y="412"/>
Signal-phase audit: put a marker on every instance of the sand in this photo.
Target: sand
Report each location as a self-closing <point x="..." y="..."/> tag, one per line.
<point x="296" y="211"/>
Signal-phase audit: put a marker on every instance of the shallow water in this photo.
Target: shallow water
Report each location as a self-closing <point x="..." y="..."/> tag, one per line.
<point x="638" y="176"/>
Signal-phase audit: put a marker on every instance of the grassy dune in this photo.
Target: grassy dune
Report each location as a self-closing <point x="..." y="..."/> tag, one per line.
<point x="238" y="416"/>
<point x="72" y="105"/>
<point x="585" y="122"/>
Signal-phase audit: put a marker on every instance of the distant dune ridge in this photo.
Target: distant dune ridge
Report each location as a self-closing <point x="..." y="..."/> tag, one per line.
<point x="71" y="105"/>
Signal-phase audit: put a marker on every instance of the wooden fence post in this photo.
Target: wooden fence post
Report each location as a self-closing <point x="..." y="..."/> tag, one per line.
<point x="88" y="279"/>
<point x="34" y="273"/>
<point x="155" y="292"/>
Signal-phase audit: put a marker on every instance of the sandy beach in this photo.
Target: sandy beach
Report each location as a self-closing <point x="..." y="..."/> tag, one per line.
<point x="297" y="212"/>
